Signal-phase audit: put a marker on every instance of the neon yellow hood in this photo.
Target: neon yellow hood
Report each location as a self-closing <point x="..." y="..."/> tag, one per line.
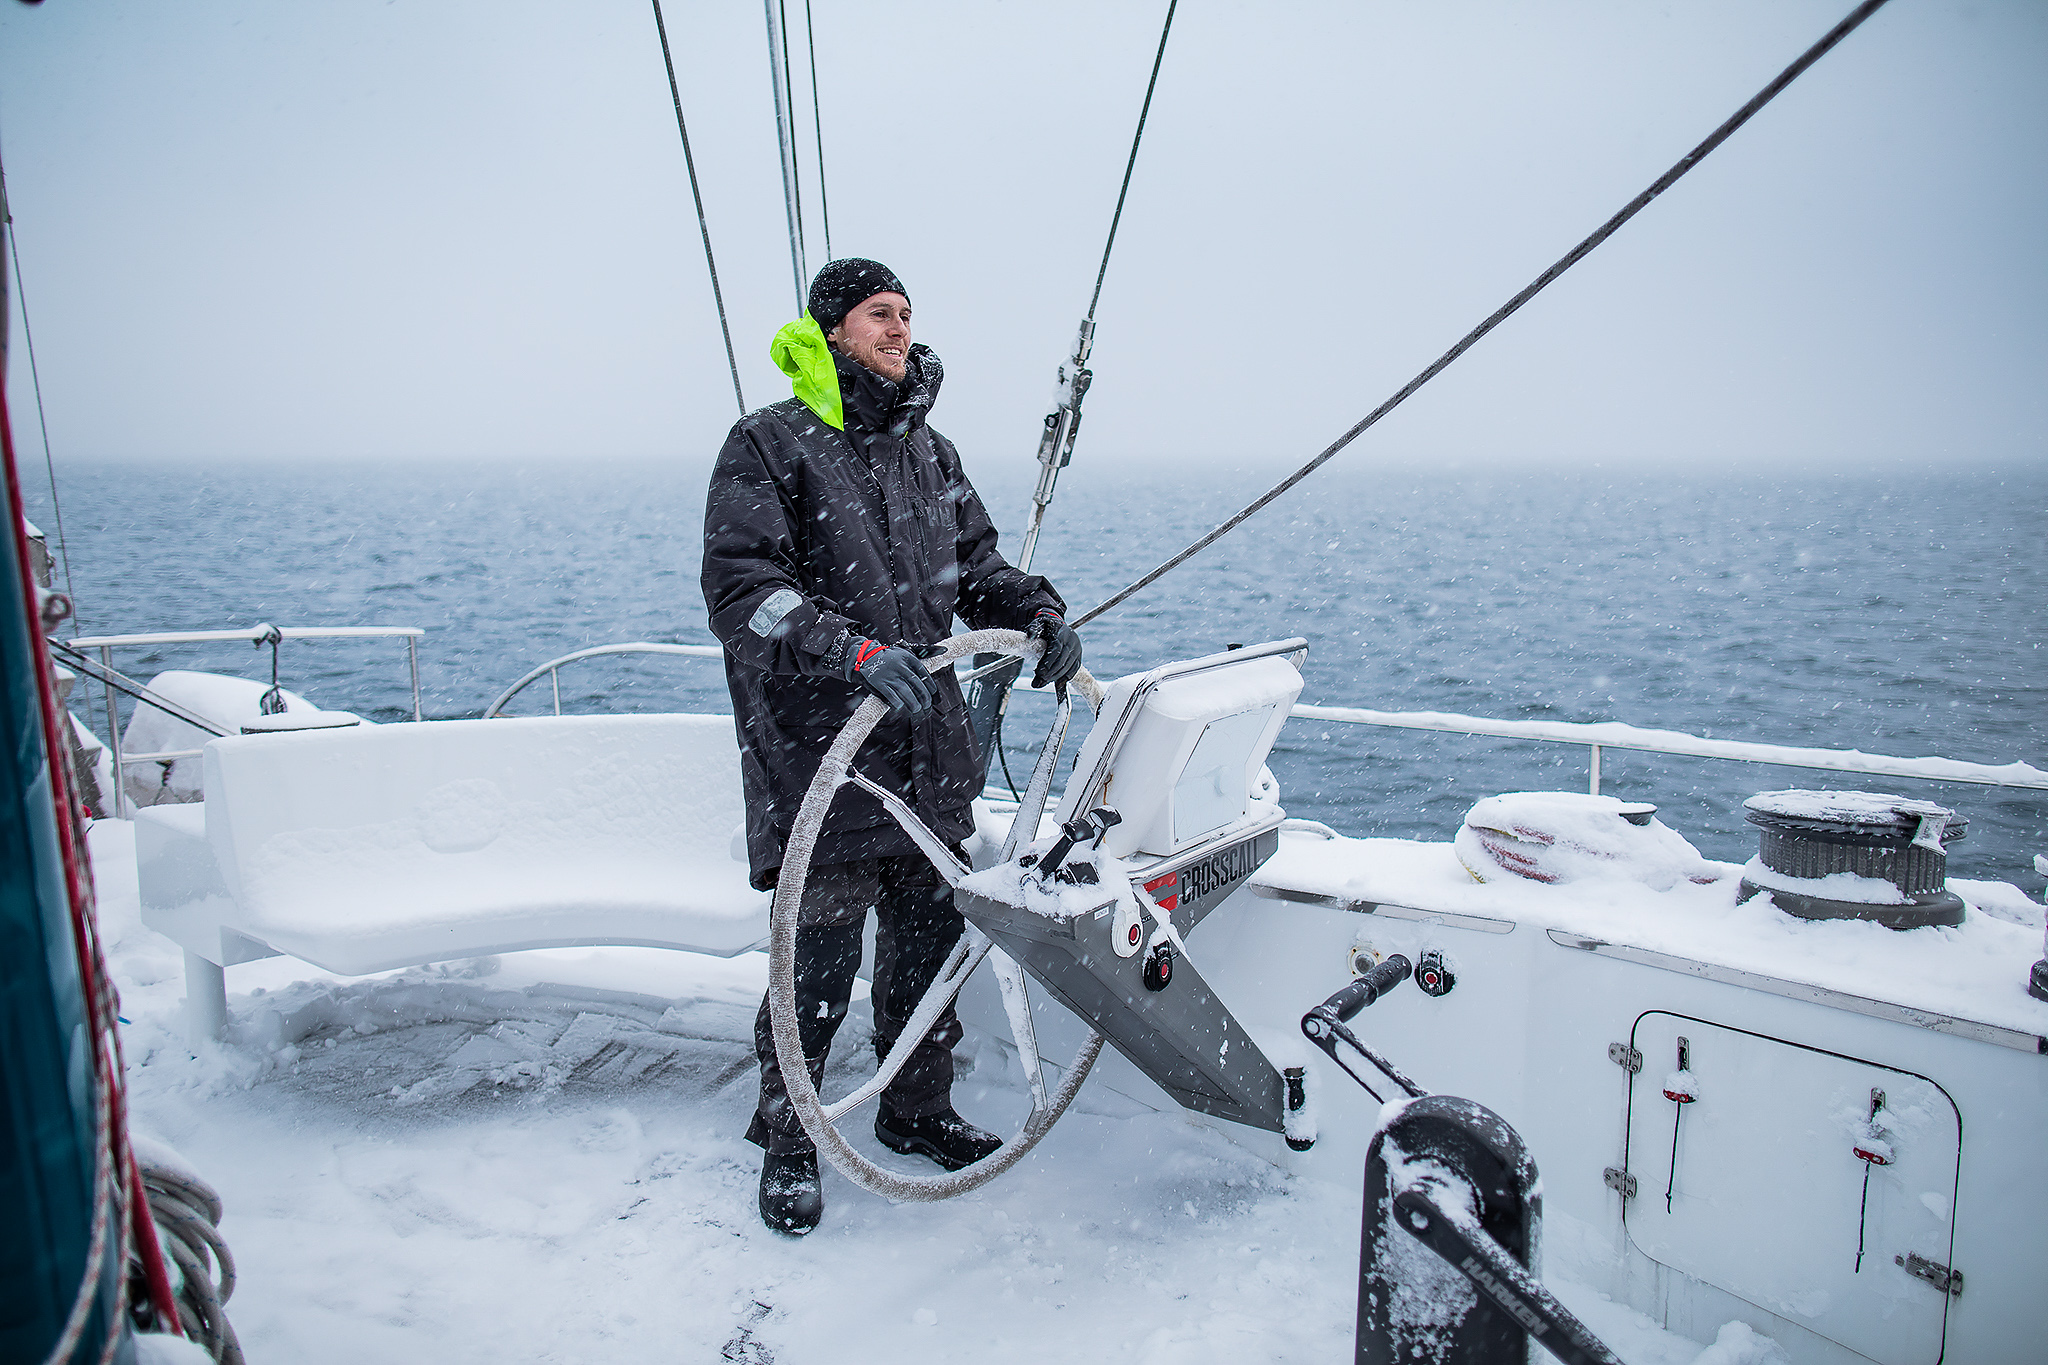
<point x="800" y="351"/>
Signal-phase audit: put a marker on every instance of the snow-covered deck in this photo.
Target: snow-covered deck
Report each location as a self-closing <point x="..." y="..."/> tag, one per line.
<point x="537" y="1157"/>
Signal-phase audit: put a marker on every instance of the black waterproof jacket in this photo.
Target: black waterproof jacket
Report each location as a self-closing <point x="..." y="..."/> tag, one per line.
<point x="812" y="533"/>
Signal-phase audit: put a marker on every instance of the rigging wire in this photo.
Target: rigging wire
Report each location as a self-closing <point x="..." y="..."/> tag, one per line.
<point x="777" y="81"/>
<point x="28" y="336"/>
<point x="1506" y="310"/>
<point x="796" y="172"/>
<point x="1131" y="164"/>
<point x="1056" y="446"/>
<point x="703" y="225"/>
<point x="989" y="699"/>
<point x="818" y="123"/>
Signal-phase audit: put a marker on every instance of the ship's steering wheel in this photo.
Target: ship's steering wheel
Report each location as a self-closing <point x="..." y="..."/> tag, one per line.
<point x="834" y="772"/>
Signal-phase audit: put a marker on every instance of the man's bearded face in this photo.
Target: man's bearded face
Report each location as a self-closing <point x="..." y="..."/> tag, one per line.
<point x="877" y="334"/>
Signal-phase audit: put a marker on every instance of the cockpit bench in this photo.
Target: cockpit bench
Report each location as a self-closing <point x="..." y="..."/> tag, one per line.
<point x="365" y="849"/>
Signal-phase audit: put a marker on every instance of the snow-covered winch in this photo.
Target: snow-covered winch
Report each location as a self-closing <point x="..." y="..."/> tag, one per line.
<point x="1562" y="837"/>
<point x="1854" y="855"/>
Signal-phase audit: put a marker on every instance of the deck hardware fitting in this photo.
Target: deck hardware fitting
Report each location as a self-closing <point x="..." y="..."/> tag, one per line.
<point x="1620" y="1181"/>
<point x="1949" y="1282"/>
<point x="1296" y="1079"/>
<point x="1629" y="1059"/>
<point x="1433" y="974"/>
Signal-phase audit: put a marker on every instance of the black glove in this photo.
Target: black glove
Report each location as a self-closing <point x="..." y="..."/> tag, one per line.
<point x="891" y="673"/>
<point x="1061" y="659"/>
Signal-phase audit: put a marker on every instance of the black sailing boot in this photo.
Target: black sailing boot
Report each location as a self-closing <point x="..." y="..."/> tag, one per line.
<point x="945" y="1137"/>
<point x="790" y="1198"/>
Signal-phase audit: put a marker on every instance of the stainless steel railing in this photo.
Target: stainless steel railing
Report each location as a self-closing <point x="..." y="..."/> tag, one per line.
<point x="552" y="669"/>
<point x="107" y="644"/>
<point x="1595" y="736"/>
<point x="1615" y="735"/>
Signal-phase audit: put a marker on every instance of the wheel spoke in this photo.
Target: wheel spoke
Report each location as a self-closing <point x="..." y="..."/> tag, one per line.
<point x="1017" y="1003"/>
<point x="931" y="845"/>
<point x="959" y="965"/>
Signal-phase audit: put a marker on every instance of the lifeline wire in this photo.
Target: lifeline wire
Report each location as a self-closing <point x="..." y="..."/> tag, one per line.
<point x="1132" y="163"/>
<point x="818" y="124"/>
<point x="36" y="379"/>
<point x="1506" y="310"/>
<point x="696" y="194"/>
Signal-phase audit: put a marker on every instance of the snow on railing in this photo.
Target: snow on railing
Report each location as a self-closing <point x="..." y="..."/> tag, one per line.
<point x="1615" y="735"/>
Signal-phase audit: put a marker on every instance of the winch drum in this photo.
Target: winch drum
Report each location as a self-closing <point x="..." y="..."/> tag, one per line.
<point x="1807" y="836"/>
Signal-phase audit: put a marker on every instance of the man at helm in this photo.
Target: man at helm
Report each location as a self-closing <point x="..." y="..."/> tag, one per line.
<point x="841" y="534"/>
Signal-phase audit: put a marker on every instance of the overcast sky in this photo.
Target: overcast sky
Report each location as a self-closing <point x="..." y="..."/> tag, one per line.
<point x="420" y="230"/>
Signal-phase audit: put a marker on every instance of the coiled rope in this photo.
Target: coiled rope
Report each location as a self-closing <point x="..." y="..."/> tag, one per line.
<point x="116" y="1182"/>
<point x="1508" y="309"/>
<point x="187" y="1213"/>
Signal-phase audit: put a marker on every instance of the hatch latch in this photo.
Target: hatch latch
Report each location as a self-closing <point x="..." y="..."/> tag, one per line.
<point x="1949" y="1282"/>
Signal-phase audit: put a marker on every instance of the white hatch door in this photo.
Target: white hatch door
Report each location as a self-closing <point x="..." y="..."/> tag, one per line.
<point x="1767" y="1197"/>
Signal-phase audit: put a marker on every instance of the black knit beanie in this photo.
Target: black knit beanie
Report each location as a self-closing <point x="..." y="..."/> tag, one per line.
<point x="842" y="286"/>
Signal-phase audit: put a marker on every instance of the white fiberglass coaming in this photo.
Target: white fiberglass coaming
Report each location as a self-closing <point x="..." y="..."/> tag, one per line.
<point x="1806" y="1044"/>
<point x="1749" y="1201"/>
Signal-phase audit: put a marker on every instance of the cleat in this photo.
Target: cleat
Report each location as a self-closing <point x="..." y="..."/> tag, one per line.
<point x="945" y="1137"/>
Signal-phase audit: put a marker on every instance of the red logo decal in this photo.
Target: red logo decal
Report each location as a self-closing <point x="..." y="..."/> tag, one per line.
<point x="1171" y="902"/>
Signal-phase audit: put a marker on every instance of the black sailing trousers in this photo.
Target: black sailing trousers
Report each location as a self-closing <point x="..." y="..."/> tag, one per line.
<point x="915" y="928"/>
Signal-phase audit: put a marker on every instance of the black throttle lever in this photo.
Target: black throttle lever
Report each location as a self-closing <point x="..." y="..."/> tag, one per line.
<point x="1080" y="829"/>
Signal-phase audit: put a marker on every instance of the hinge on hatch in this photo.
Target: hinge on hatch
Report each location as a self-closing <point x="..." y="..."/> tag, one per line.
<point x="1624" y="1184"/>
<point x="1627" y="1058"/>
<point x="1949" y="1282"/>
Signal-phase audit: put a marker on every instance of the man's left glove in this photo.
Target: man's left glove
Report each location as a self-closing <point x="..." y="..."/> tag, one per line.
<point x="1061" y="659"/>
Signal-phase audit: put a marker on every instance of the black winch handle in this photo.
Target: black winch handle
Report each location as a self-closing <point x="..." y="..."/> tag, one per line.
<point x="1368" y="988"/>
<point x="1324" y="1025"/>
<point x="1501" y="1279"/>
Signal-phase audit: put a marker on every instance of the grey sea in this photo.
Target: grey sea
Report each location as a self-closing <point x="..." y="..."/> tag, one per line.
<point x="1897" y="614"/>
